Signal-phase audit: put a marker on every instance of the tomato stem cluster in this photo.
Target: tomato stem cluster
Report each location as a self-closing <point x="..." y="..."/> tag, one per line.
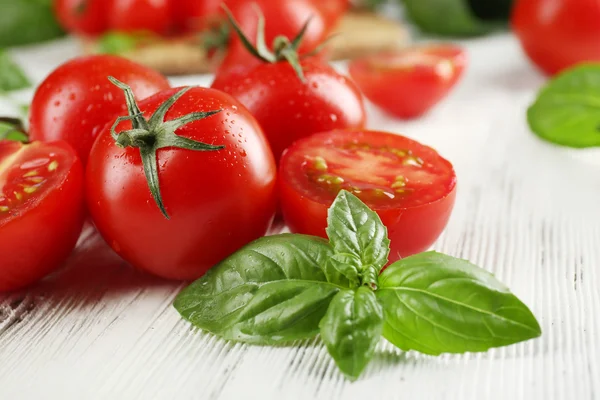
<point x="156" y="133"/>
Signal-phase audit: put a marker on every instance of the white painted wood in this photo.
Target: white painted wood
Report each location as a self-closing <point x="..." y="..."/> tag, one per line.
<point x="526" y="210"/>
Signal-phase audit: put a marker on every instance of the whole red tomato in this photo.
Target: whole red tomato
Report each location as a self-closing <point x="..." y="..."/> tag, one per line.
<point x="557" y="34"/>
<point x="85" y="17"/>
<point x="139" y="15"/>
<point x="76" y="100"/>
<point x="289" y="108"/>
<point x="216" y="200"/>
<point x="408" y="82"/>
<point x="410" y="186"/>
<point x="282" y="18"/>
<point x="41" y="209"/>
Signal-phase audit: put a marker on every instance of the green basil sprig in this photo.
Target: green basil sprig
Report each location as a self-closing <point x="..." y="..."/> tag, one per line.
<point x="567" y="110"/>
<point x="289" y="287"/>
<point x="12" y="76"/>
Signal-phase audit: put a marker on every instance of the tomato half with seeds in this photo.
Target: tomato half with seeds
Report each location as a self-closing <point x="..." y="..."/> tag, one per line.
<point x="408" y="82"/>
<point x="410" y="186"/>
<point x="41" y="209"/>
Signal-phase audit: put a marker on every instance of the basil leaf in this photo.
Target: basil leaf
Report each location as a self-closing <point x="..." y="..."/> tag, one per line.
<point x="27" y="21"/>
<point x="12" y="76"/>
<point x="434" y="303"/>
<point x="351" y="329"/>
<point x="271" y="291"/>
<point x="567" y="110"/>
<point x="343" y="265"/>
<point x="354" y="229"/>
<point x="450" y="17"/>
<point x="12" y="129"/>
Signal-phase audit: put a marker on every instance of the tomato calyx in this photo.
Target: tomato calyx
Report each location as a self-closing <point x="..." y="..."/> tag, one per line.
<point x="155" y="133"/>
<point x="284" y="49"/>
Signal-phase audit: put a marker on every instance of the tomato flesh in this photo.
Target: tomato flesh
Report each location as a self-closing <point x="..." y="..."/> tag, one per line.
<point x="407" y="83"/>
<point x="41" y="209"/>
<point x="409" y="185"/>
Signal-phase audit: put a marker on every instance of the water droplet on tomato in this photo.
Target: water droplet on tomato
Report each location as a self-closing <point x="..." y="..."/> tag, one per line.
<point x="333" y="117"/>
<point x="243" y="153"/>
<point x="315" y="85"/>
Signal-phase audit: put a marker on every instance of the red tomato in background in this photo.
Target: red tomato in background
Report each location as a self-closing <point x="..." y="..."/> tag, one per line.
<point x="197" y="15"/>
<point x="76" y="100"/>
<point x="41" y="209"/>
<point x="289" y="109"/>
<point x="139" y="15"/>
<point x="217" y="201"/>
<point x="333" y="9"/>
<point x="85" y="17"/>
<point x="409" y="185"/>
<point x="557" y="34"/>
<point x="408" y="82"/>
<point x="282" y="18"/>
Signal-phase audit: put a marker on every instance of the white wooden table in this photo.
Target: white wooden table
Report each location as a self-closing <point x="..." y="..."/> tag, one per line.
<point x="526" y="210"/>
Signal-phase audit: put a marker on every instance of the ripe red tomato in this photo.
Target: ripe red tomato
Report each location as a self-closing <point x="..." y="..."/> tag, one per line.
<point x="282" y="18"/>
<point x="196" y="15"/>
<point x="85" y="17"/>
<point x="217" y="200"/>
<point x="41" y="209"/>
<point x="410" y="186"/>
<point x="289" y="109"/>
<point x="408" y="82"/>
<point x="139" y="15"/>
<point x="557" y="34"/>
<point x="76" y="100"/>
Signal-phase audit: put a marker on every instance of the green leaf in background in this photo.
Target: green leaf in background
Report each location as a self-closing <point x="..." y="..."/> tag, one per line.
<point x="434" y="303"/>
<point x="354" y="229"/>
<point x="458" y="17"/>
<point x="351" y="329"/>
<point x="12" y="76"/>
<point x="27" y="21"/>
<point x="567" y="110"/>
<point x="117" y="42"/>
<point x="12" y="129"/>
<point x="271" y="291"/>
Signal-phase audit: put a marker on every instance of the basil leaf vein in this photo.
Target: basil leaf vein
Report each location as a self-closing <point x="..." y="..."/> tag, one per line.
<point x="273" y="290"/>
<point x="435" y="303"/>
<point x="355" y="229"/>
<point x="351" y="329"/>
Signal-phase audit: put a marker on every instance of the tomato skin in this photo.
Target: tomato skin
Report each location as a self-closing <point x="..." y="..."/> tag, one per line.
<point x="76" y="100"/>
<point x="557" y="34"/>
<point x="289" y="109"/>
<point x="139" y="15"/>
<point x="421" y="77"/>
<point x="217" y="200"/>
<point x="85" y="17"/>
<point x="282" y="18"/>
<point x="411" y="230"/>
<point x="333" y="9"/>
<point x="41" y="232"/>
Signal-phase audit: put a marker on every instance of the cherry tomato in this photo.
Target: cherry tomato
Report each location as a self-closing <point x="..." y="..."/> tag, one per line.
<point x="217" y="201"/>
<point x="139" y="15"/>
<point x="410" y="186"/>
<point x="76" y="100"/>
<point x="196" y="15"/>
<point x="288" y="108"/>
<point x="557" y="34"/>
<point x="86" y="17"/>
<point x="41" y="209"/>
<point x="407" y="83"/>
<point x="282" y="18"/>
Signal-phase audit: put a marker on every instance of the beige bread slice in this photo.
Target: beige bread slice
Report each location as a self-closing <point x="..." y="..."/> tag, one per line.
<point x="358" y="33"/>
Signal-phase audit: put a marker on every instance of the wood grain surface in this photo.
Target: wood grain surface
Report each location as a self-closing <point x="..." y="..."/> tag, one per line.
<point x="526" y="210"/>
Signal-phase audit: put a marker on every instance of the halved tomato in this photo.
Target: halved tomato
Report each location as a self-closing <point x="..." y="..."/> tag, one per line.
<point x="410" y="186"/>
<point x="41" y="209"/>
<point x="408" y="82"/>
